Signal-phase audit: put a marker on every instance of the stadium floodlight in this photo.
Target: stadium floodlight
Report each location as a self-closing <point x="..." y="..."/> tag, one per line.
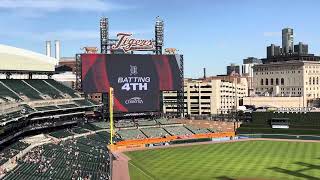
<point x="104" y="34"/>
<point x="159" y="31"/>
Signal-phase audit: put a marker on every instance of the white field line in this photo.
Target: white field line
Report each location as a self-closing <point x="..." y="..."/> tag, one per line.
<point x="140" y="170"/>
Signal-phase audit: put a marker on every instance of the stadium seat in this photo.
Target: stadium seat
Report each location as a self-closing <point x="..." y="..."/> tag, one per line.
<point x="71" y="159"/>
<point x="178" y="130"/>
<point x="131" y="134"/>
<point x="154" y="132"/>
<point x="62" y="88"/>
<point x="44" y="88"/>
<point x="21" y="88"/>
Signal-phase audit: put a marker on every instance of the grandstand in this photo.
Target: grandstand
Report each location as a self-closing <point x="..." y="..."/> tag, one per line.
<point x="31" y="104"/>
<point x="81" y="158"/>
<point x="146" y="122"/>
<point x="178" y="130"/>
<point x="197" y="130"/>
<point x="124" y="124"/>
<point x="62" y="88"/>
<point x="10" y="151"/>
<point x="35" y="89"/>
<point x="164" y="121"/>
<point x="61" y="133"/>
<point x="131" y="134"/>
<point x="140" y="129"/>
<point x="155" y="132"/>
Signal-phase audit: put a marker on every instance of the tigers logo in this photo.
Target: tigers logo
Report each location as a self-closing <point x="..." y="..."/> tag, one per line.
<point x="133" y="70"/>
<point x="126" y="43"/>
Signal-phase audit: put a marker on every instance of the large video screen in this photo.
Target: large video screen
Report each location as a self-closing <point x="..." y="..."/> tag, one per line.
<point x="136" y="79"/>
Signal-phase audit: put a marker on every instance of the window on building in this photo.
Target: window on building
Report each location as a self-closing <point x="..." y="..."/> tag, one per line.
<point x="262" y="82"/>
<point x="317" y="80"/>
<point x="271" y="82"/>
<point x="282" y="81"/>
<point x="310" y="80"/>
<point x="267" y="82"/>
<point x="313" y="81"/>
<point x="277" y="81"/>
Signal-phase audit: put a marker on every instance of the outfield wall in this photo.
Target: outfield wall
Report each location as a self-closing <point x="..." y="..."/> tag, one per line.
<point x="280" y="136"/>
<point x="143" y="143"/>
<point x="299" y="123"/>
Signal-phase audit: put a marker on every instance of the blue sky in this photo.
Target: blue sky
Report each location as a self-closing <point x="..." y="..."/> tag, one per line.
<point x="209" y="33"/>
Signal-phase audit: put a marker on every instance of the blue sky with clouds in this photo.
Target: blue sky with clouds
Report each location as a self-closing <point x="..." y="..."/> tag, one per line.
<point x="210" y="33"/>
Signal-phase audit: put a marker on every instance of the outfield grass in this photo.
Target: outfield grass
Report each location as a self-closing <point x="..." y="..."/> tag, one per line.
<point x="248" y="159"/>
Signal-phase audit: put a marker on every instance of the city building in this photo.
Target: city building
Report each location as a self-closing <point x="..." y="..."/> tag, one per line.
<point x="287" y="48"/>
<point x="233" y="69"/>
<point x="67" y="62"/>
<point x="287" y="40"/>
<point x="247" y="71"/>
<point x="289" y="78"/>
<point x="301" y="49"/>
<point x="66" y="71"/>
<point x="273" y="50"/>
<point x="213" y="95"/>
<point x="246" y="68"/>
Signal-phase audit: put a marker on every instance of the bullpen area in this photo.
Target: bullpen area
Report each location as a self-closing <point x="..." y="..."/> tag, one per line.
<point x="248" y="159"/>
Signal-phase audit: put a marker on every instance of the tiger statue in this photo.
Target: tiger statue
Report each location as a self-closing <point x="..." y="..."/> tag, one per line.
<point x="90" y="50"/>
<point x="170" y="50"/>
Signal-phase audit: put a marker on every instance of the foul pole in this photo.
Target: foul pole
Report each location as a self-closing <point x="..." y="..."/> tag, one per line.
<point x="111" y="114"/>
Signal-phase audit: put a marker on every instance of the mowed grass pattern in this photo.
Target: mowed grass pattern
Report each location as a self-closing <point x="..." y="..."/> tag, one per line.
<point x="248" y="159"/>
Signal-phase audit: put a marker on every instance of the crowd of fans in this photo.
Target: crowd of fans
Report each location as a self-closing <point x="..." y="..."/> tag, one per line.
<point x="81" y="158"/>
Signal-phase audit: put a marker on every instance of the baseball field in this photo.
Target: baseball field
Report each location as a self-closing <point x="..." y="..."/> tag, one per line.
<point x="238" y="160"/>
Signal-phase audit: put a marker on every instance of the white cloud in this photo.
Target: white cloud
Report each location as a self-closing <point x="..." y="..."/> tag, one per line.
<point x="58" y="5"/>
<point x="272" y="34"/>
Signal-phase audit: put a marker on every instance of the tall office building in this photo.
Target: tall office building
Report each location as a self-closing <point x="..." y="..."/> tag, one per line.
<point x="273" y="50"/>
<point x="233" y="69"/>
<point x="301" y="48"/>
<point x="287" y="40"/>
<point x="247" y="71"/>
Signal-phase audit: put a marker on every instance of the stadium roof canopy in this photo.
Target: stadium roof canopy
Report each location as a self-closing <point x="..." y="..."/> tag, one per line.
<point x="16" y="59"/>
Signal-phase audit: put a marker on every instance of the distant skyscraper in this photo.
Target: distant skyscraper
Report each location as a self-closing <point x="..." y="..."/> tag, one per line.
<point x="287" y="40"/>
<point x="273" y="50"/>
<point x="233" y="69"/>
<point x="247" y="70"/>
<point x="301" y="48"/>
